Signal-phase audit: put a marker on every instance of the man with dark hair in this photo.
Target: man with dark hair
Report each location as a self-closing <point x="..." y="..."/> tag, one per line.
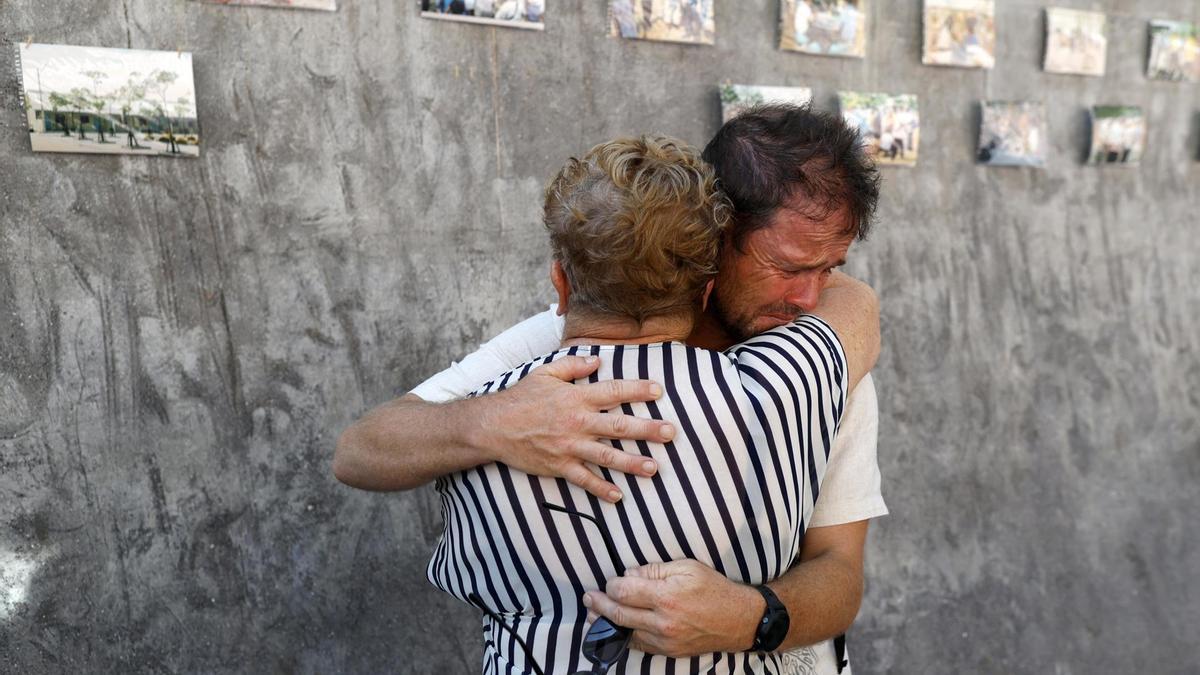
<point x="802" y="190"/>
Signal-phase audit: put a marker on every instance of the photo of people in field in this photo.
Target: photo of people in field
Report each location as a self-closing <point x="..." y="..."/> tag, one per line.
<point x="109" y="101"/>
<point x="960" y="33"/>
<point x="690" y="21"/>
<point x="1012" y="134"/>
<point x="1174" y="52"/>
<point x="890" y="126"/>
<point x="826" y="27"/>
<point x="737" y="97"/>
<point x="509" y="13"/>
<point x="1118" y="135"/>
<point x="1076" y="42"/>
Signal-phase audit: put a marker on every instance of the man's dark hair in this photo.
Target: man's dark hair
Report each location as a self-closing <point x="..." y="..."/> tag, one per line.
<point x="769" y="153"/>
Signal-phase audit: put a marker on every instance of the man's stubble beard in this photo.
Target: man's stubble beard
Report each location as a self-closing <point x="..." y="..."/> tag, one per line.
<point x="737" y="328"/>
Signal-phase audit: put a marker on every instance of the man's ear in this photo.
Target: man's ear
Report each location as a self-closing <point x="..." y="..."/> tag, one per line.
<point x="707" y="292"/>
<point x="558" y="277"/>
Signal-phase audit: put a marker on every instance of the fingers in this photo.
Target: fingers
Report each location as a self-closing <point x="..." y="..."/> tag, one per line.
<point x="605" y="455"/>
<point x="660" y="571"/>
<point x="578" y="474"/>
<point x="635" y="592"/>
<point x="629" y="617"/>
<point x="612" y="393"/>
<point x="628" y="427"/>
<point x="570" y="368"/>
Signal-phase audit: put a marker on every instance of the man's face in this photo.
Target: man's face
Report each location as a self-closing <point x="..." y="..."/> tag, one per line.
<point x="780" y="271"/>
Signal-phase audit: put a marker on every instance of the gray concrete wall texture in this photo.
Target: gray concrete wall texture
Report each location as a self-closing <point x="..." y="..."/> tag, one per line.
<point x="182" y="341"/>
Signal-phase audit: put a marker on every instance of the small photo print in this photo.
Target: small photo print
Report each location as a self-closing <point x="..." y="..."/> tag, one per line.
<point x="1174" y="52"/>
<point x="109" y="101"/>
<point x="1012" y="134"/>
<point x="327" y="5"/>
<point x="889" y="126"/>
<point x="826" y="27"/>
<point x="1076" y="42"/>
<point x="1118" y="135"/>
<point x="960" y="33"/>
<point x="737" y="97"/>
<point x="689" y="21"/>
<point x="529" y="14"/>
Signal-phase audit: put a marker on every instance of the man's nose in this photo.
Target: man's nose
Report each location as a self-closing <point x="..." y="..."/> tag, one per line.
<point x="805" y="293"/>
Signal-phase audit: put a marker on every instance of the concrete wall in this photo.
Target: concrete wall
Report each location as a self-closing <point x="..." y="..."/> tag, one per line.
<point x="181" y="341"/>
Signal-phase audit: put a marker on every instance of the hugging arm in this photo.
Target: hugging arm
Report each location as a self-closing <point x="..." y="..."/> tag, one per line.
<point x="543" y="425"/>
<point x="685" y="608"/>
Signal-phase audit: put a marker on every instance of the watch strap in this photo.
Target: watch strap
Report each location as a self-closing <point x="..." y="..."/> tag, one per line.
<point x="773" y="627"/>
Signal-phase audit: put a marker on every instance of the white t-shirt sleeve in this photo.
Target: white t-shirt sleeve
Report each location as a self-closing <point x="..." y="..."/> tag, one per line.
<point x="850" y="490"/>
<point x="536" y="336"/>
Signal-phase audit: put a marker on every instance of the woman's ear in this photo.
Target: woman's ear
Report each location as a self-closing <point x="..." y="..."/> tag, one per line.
<point x="558" y="277"/>
<point x="707" y="292"/>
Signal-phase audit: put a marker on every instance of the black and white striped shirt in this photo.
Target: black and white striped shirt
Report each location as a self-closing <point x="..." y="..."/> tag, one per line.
<point x="734" y="490"/>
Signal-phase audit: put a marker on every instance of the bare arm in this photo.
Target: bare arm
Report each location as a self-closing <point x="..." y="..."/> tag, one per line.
<point x="544" y="425"/>
<point x="685" y="608"/>
<point x="851" y="308"/>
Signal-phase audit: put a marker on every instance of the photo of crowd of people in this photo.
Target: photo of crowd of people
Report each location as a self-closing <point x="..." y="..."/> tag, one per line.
<point x="1076" y="43"/>
<point x="1012" y="134"/>
<point x="1174" y="52"/>
<point x="827" y="27"/>
<point x="960" y="33"/>
<point x="690" y="21"/>
<point x="510" y="13"/>
<point x="737" y="97"/>
<point x="890" y="126"/>
<point x="1118" y="135"/>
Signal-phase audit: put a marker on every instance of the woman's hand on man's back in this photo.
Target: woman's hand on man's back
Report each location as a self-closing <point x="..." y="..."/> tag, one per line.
<point x="547" y="426"/>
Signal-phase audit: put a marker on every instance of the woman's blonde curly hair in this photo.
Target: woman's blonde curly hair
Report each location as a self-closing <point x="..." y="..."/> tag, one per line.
<point x="636" y="225"/>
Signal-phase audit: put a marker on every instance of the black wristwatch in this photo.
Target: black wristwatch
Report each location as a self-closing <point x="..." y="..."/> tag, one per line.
<point x="773" y="627"/>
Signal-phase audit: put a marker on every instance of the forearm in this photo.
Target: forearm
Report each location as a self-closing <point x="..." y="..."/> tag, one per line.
<point x="822" y="596"/>
<point x="408" y="442"/>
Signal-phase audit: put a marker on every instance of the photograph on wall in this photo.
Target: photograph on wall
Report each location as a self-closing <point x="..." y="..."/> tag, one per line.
<point x="529" y="14"/>
<point x="826" y="27"/>
<point x="688" y="21"/>
<point x="109" y="101"/>
<point x="327" y="5"/>
<point x="1174" y="52"/>
<point x="1012" y="134"/>
<point x="889" y="126"/>
<point x="960" y="33"/>
<point x="737" y="97"/>
<point x="1076" y="42"/>
<point x="1118" y="135"/>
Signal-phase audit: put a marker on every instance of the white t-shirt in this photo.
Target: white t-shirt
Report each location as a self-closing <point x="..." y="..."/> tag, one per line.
<point x="850" y="489"/>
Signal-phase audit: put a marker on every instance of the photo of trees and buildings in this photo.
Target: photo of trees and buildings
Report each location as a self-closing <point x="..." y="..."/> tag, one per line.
<point x="109" y="101"/>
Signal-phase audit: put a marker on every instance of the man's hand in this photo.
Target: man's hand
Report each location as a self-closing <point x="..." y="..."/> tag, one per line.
<point x="680" y="609"/>
<point x="685" y="608"/>
<point x="546" y="426"/>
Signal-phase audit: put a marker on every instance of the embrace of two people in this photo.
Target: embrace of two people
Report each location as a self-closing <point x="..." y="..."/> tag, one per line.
<point x="685" y="444"/>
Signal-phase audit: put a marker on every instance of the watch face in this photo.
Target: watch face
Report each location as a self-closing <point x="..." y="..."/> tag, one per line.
<point x="774" y="625"/>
